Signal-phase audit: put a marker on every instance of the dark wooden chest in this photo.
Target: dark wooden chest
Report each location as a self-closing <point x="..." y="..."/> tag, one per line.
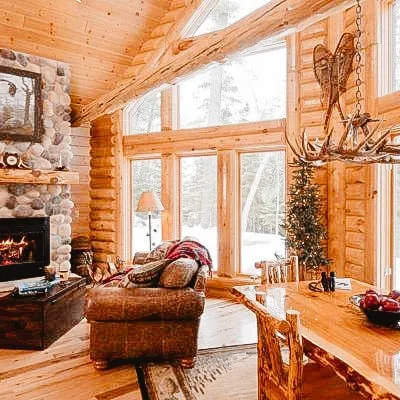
<point x="36" y="322"/>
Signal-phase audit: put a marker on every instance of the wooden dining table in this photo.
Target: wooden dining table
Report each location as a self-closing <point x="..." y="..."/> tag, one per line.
<point x="336" y="333"/>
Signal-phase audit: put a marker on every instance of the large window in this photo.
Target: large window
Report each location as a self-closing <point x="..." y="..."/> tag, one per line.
<point x="146" y="177"/>
<point x="396" y="45"/>
<point x="396" y="226"/>
<point x="389" y="57"/>
<point x="245" y="89"/>
<point x="198" y="208"/>
<point x="262" y="182"/>
<point x="226" y="12"/>
<point x="144" y="114"/>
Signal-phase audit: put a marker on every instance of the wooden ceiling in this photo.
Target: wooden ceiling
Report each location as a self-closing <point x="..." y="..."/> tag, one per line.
<point x="98" y="38"/>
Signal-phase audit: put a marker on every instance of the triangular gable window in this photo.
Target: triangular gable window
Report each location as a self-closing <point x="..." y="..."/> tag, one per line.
<point x="225" y="13"/>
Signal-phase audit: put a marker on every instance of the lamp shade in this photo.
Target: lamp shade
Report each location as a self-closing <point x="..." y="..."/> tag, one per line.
<point x="148" y="202"/>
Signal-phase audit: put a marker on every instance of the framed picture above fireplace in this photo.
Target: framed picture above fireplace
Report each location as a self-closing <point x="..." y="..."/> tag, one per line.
<point x="20" y="105"/>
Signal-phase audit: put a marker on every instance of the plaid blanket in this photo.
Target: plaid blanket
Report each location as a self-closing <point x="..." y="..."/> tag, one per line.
<point x="190" y="249"/>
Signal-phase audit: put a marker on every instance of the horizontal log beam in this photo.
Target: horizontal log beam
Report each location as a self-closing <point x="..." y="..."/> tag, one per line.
<point x="265" y="133"/>
<point x="278" y="17"/>
<point x="39" y="176"/>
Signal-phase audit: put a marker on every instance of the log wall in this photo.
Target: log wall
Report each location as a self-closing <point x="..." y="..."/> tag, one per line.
<point x="105" y="187"/>
<point x="306" y="112"/>
<point x="80" y="147"/>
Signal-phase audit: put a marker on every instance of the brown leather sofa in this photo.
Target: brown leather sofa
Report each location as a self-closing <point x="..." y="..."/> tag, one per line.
<point x="146" y="323"/>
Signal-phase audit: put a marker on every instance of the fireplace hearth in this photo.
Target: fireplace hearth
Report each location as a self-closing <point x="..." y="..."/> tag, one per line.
<point x="24" y="247"/>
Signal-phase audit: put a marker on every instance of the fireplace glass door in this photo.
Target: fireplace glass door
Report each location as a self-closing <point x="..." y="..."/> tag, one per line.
<point x="24" y="247"/>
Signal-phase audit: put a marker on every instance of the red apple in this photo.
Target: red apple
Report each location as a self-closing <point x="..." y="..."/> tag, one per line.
<point x="391" y="305"/>
<point x="371" y="301"/>
<point x="361" y="303"/>
<point x="382" y="298"/>
<point x="395" y="294"/>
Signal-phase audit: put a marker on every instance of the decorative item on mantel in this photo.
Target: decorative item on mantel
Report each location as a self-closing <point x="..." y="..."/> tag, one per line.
<point x="358" y="142"/>
<point x="12" y="160"/>
<point x="303" y="224"/>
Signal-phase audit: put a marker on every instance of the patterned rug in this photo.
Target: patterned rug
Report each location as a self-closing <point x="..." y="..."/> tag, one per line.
<point x="228" y="373"/>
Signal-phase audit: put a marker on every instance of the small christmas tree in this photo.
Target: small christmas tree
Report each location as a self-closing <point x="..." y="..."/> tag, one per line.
<point x="304" y="228"/>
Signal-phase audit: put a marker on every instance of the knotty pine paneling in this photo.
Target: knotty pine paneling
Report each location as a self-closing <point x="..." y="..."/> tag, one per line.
<point x="310" y="106"/>
<point x="98" y="38"/>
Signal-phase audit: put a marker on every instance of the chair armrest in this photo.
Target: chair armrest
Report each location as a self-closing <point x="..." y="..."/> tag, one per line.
<point x="140" y="257"/>
<point x="200" y="281"/>
<point x="121" y="304"/>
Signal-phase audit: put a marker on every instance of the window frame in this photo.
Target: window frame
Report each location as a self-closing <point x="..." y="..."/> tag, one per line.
<point x="181" y="156"/>
<point x="132" y="107"/>
<point x="128" y="205"/>
<point x="385" y="232"/>
<point x="393" y="203"/>
<point x="386" y="48"/>
<point x="201" y="14"/>
<point x="264" y="46"/>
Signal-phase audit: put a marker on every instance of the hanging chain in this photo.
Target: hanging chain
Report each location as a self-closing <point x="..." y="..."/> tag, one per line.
<point x="358" y="57"/>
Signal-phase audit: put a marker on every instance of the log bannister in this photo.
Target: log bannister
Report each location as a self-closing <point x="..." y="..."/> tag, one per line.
<point x="278" y="17"/>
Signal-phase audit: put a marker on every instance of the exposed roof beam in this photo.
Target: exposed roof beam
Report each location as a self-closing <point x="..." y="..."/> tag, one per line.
<point x="186" y="55"/>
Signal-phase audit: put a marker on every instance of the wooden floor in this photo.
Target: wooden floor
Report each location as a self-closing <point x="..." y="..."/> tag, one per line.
<point x="64" y="371"/>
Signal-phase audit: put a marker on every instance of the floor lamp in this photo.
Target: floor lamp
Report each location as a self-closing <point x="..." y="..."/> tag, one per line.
<point x="149" y="202"/>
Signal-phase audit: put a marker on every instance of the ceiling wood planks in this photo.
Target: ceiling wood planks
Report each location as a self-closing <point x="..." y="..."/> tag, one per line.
<point x="98" y="38"/>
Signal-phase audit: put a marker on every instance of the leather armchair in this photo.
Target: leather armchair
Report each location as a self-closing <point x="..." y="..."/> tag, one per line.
<point x="146" y="323"/>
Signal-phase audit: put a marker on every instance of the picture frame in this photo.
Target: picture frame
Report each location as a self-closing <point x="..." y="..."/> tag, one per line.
<point x="20" y="105"/>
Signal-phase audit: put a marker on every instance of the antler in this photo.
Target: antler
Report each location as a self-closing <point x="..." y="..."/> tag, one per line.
<point x="367" y="151"/>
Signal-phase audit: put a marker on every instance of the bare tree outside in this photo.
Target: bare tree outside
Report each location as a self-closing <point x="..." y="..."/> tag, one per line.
<point x="396" y="208"/>
<point x="145" y="116"/>
<point x="244" y="89"/>
<point x="146" y="177"/>
<point x="262" y="181"/>
<point x="198" y="206"/>
<point x="396" y="45"/>
<point x="233" y="10"/>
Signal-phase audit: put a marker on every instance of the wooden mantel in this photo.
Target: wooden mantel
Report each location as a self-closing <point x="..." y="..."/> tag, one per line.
<point x="39" y="176"/>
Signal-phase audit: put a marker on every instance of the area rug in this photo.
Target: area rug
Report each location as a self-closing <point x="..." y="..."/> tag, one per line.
<point x="227" y="373"/>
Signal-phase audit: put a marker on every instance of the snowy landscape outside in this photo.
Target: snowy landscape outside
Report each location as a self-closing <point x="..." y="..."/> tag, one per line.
<point x="396" y="208"/>
<point x="245" y="88"/>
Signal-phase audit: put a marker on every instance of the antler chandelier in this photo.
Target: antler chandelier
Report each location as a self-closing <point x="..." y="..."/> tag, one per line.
<point x="359" y="142"/>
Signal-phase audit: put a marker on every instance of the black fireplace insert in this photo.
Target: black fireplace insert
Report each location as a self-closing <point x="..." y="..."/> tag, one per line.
<point x="24" y="247"/>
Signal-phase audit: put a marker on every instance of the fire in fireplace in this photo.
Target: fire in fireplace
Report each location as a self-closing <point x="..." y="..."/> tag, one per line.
<point x="24" y="247"/>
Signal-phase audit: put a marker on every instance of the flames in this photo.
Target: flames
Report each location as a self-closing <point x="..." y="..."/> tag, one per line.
<point x="12" y="251"/>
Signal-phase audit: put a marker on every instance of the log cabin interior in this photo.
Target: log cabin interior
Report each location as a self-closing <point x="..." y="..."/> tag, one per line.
<point x="199" y="199"/>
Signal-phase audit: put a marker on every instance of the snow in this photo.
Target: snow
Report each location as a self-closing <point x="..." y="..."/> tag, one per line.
<point x="255" y="246"/>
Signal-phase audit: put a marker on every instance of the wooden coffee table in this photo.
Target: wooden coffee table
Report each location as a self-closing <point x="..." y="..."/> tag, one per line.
<point x="34" y="322"/>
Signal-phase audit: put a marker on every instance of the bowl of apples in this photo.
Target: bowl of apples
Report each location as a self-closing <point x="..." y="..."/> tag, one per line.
<point x="379" y="309"/>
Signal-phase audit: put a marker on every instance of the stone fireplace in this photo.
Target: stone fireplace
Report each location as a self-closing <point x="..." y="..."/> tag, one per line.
<point x="38" y="201"/>
<point x="24" y="247"/>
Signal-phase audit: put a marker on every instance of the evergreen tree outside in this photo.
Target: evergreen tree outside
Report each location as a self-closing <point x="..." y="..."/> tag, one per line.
<point x="303" y="223"/>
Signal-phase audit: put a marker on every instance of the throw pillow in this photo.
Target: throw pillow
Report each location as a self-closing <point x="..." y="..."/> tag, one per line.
<point x="159" y="252"/>
<point x="146" y="273"/>
<point x="179" y="273"/>
<point x="128" y="284"/>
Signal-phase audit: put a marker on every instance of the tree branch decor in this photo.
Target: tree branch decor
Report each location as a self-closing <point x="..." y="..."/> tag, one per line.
<point x="303" y="223"/>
